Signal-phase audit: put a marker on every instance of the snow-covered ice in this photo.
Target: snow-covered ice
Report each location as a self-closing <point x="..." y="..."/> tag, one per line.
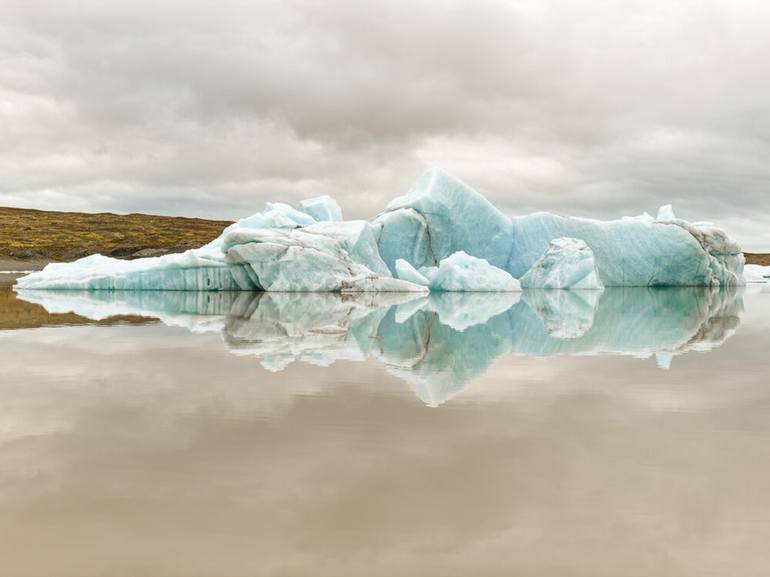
<point x="191" y="270"/>
<point x="462" y="272"/>
<point x="308" y="247"/>
<point x="568" y="263"/>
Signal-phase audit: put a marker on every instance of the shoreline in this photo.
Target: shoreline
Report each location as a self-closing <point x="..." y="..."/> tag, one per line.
<point x="16" y="266"/>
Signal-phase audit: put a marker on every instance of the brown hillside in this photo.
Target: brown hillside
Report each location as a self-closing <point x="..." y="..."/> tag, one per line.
<point x="36" y="235"/>
<point x="757" y="258"/>
<point x="16" y="313"/>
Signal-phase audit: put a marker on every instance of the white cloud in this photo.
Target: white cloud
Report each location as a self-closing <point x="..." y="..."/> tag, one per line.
<point x="588" y="108"/>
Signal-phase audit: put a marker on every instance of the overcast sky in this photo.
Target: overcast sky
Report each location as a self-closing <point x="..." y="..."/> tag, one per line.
<point x="593" y="108"/>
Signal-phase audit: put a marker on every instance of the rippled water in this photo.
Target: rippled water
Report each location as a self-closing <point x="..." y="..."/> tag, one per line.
<point x="547" y="433"/>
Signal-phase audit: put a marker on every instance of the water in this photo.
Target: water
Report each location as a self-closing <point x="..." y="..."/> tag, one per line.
<point x="240" y="434"/>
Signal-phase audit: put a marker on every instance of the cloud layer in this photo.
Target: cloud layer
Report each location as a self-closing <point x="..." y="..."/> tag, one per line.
<point x="209" y="109"/>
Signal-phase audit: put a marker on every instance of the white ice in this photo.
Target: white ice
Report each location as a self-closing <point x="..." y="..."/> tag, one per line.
<point x="307" y="260"/>
<point x="666" y="212"/>
<point x="568" y="263"/>
<point x="322" y="209"/>
<point x="461" y="272"/>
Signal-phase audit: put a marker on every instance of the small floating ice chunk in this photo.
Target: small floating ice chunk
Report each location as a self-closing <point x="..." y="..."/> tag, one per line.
<point x="462" y="272"/>
<point x="568" y="263"/>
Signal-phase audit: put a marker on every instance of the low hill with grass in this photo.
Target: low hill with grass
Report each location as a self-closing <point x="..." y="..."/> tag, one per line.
<point x="757" y="258"/>
<point x="35" y="237"/>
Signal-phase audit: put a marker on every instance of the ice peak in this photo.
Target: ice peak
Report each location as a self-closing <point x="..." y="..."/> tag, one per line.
<point x="666" y="212"/>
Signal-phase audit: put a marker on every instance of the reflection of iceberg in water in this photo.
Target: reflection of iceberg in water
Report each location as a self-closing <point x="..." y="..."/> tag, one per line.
<point x="438" y="343"/>
<point x="566" y="314"/>
<point x="318" y="328"/>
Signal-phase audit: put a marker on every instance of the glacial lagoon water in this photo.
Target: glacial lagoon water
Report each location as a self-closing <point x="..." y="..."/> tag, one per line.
<point x="622" y="433"/>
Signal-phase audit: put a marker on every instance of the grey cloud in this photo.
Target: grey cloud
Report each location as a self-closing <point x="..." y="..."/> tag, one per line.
<point x="590" y="108"/>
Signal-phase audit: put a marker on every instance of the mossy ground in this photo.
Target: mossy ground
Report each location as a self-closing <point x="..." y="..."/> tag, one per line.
<point x="757" y="258"/>
<point x="64" y="236"/>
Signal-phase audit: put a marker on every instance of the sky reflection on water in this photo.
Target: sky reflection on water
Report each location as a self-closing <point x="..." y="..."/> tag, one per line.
<point x="149" y="449"/>
<point x="438" y="343"/>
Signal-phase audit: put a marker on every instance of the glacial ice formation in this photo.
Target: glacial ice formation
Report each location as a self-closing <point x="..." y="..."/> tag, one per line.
<point x="316" y="258"/>
<point x="440" y="216"/>
<point x="635" y="252"/>
<point x="568" y="263"/>
<point x="438" y="343"/>
<point x="309" y="247"/>
<point x="192" y="270"/>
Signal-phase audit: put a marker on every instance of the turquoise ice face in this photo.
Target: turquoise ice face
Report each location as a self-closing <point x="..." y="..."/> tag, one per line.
<point x="628" y="252"/>
<point x="447" y="216"/>
<point x="438" y="343"/>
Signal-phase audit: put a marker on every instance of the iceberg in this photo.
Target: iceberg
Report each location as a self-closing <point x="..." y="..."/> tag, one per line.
<point x="568" y="263"/>
<point x="429" y="234"/>
<point x="459" y="272"/>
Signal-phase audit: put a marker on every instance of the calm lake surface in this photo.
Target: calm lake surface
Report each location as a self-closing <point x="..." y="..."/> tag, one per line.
<point x="549" y="433"/>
